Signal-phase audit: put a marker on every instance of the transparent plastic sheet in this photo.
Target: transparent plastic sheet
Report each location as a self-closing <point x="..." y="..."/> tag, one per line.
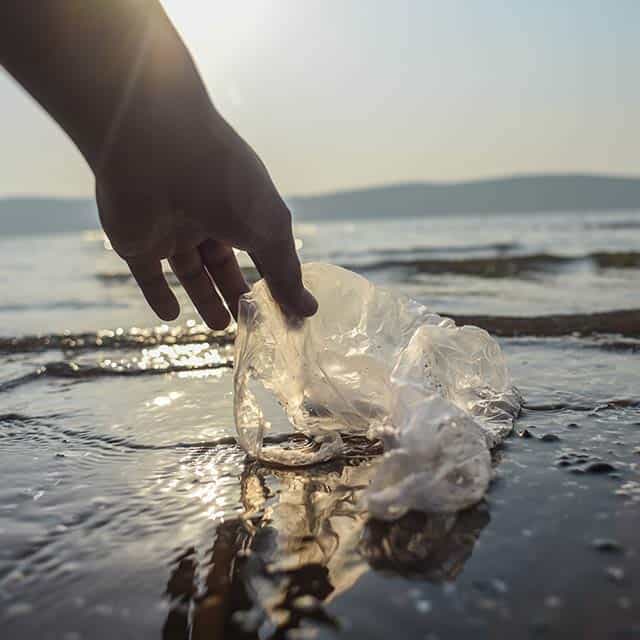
<point x="375" y="365"/>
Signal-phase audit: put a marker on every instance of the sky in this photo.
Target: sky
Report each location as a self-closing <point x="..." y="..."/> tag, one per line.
<point x="337" y="94"/>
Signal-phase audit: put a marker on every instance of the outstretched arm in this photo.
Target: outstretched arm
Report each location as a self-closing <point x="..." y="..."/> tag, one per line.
<point x="173" y="179"/>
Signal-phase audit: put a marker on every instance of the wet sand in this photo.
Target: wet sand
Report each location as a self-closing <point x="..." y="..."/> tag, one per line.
<point x="127" y="530"/>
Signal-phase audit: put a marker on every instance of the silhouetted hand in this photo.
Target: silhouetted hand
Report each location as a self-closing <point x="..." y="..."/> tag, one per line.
<point x="173" y="179"/>
<point x="188" y="189"/>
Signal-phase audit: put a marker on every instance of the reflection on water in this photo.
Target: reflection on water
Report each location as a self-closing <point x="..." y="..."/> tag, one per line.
<point x="304" y="539"/>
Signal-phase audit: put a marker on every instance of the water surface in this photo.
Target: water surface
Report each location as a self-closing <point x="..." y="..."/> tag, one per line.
<point x="126" y="508"/>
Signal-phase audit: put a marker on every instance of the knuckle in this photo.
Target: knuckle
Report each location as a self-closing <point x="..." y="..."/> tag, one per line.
<point x="127" y="250"/>
<point x="187" y="267"/>
<point x="189" y="275"/>
<point x="218" y="257"/>
<point x="286" y="280"/>
<point x="150" y="282"/>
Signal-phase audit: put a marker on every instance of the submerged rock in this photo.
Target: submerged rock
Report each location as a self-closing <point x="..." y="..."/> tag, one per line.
<point x="599" y="467"/>
<point x="608" y="545"/>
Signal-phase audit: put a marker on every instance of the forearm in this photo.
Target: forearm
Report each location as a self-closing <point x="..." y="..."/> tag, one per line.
<point x="95" y="65"/>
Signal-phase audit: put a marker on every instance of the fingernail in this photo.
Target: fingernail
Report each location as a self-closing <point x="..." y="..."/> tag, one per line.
<point x="169" y="312"/>
<point x="303" y="307"/>
<point x="308" y="304"/>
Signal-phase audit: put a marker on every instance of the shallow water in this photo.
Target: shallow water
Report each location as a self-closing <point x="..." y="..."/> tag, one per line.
<point x="126" y="508"/>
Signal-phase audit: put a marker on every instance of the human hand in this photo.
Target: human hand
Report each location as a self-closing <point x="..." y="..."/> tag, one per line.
<point x="193" y="214"/>
<point x="173" y="179"/>
<point x="176" y="182"/>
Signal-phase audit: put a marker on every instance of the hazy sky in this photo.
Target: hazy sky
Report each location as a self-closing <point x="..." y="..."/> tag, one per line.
<point x="344" y="93"/>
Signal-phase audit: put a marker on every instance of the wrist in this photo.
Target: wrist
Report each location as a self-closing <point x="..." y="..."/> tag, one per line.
<point x="100" y="69"/>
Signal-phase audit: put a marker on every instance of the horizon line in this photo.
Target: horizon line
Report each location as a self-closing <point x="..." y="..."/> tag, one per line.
<point x="381" y="185"/>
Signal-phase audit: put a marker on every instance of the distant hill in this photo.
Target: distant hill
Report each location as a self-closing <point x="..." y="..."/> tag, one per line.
<point x="519" y="194"/>
<point x="47" y="215"/>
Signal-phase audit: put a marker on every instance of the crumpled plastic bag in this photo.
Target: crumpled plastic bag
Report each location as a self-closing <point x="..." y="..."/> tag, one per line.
<point x="377" y="365"/>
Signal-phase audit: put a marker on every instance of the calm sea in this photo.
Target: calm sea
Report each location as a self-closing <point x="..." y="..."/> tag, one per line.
<point x="126" y="508"/>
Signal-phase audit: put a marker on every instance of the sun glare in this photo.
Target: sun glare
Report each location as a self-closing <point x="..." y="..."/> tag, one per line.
<point x="214" y="26"/>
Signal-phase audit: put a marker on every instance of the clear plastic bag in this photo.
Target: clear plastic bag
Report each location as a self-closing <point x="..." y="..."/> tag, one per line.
<point x="376" y="365"/>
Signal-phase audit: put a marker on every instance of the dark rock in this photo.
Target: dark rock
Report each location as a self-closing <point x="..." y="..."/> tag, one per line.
<point x="573" y="425"/>
<point x="607" y="544"/>
<point x="525" y="433"/>
<point x="599" y="467"/>
<point x="550" y="437"/>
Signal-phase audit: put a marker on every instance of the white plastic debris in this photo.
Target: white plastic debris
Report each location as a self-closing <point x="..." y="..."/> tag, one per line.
<point x="374" y="364"/>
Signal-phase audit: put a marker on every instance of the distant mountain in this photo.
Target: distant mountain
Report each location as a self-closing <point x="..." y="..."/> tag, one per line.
<point x="47" y="215"/>
<point x="519" y="194"/>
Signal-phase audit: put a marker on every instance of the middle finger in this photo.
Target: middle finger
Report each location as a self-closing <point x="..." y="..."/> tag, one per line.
<point x="193" y="276"/>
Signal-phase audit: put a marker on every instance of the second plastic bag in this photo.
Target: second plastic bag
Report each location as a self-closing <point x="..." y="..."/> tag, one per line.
<point x="377" y="365"/>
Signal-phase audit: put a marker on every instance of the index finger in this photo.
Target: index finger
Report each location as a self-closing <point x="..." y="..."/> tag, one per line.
<point x="279" y="265"/>
<point x="150" y="278"/>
